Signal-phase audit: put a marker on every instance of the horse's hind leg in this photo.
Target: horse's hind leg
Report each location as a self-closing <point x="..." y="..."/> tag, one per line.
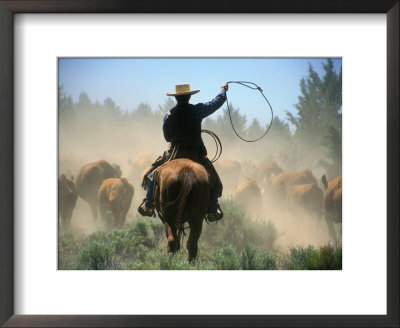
<point x="173" y="240"/>
<point x="191" y="245"/>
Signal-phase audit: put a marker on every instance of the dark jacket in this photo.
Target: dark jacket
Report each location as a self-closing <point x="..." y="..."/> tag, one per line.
<point x="182" y="124"/>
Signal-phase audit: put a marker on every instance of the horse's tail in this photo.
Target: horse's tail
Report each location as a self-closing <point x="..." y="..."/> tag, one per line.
<point x="187" y="179"/>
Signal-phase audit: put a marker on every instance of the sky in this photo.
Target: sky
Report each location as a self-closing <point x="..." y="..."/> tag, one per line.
<point x="131" y="81"/>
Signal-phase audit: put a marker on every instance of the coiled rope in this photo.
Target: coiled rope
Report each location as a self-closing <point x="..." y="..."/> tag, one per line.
<point x="250" y="85"/>
<point x="218" y="145"/>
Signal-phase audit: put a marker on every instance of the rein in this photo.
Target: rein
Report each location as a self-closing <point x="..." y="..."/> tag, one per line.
<point x="181" y="232"/>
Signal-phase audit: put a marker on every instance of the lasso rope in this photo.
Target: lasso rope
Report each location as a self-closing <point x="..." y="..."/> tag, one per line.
<point x="253" y="86"/>
<point x="218" y="145"/>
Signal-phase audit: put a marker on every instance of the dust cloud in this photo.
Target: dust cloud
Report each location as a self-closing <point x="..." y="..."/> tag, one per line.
<point x="135" y="141"/>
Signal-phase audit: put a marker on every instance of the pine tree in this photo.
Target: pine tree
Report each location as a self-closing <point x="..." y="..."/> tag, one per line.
<point x="65" y="105"/>
<point x="280" y="130"/>
<point x="143" y="111"/>
<point x="168" y="104"/>
<point x="318" y="121"/>
<point x="224" y="127"/>
<point x="333" y="145"/>
<point x="255" y="131"/>
<point x="319" y="104"/>
<point x="110" y="109"/>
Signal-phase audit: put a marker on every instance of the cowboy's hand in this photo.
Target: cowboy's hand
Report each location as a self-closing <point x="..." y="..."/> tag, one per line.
<point x="224" y="86"/>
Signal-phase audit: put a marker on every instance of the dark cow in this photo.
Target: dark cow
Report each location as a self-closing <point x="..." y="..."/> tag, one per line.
<point x="67" y="196"/>
<point x="115" y="195"/>
<point x="89" y="179"/>
<point x="332" y="203"/>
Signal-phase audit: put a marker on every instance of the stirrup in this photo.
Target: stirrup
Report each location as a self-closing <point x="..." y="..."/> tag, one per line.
<point x="213" y="217"/>
<point x="144" y="210"/>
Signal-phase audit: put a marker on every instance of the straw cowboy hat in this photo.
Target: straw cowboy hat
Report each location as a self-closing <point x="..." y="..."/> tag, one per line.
<point x="182" y="90"/>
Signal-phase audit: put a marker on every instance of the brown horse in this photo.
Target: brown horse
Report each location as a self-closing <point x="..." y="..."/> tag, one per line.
<point x="182" y="194"/>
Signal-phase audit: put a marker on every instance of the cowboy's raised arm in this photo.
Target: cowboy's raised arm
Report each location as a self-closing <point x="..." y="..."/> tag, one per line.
<point x="205" y="109"/>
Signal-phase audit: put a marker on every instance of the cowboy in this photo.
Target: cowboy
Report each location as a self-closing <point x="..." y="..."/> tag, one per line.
<point x="182" y="129"/>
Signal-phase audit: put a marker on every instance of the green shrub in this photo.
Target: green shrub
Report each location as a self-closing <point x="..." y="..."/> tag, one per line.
<point x="331" y="258"/>
<point x="158" y="231"/>
<point x="177" y="261"/>
<point x="253" y="259"/>
<point x="266" y="261"/>
<point x="235" y="243"/>
<point x="142" y="232"/>
<point x="324" y="258"/>
<point x="95" y="255"/>
<point x="248" y="257"/>
<point x="116" y="249"/>
<point x="68" y="247"/>
<point x="225" y="258"/>
<point x="237" y="228"/>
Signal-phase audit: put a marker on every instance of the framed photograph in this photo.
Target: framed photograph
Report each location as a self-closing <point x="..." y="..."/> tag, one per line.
<point x="59" y="53"/>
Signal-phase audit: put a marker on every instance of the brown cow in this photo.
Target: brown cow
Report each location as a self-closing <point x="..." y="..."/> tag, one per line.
<point x="281" y="182"/>
<point x="264" y="171"/>
<point x="137" y="168"/>
<point x="229" y="172"/>
<point x="332" y="203"/>
<point x="263" y="174"/>
<point x="67" y="196"/>
<point x="115" y="195"/>
<point x="89" y="179"/>
<point x="248" y="195"/>
<point x="307" y="196"/>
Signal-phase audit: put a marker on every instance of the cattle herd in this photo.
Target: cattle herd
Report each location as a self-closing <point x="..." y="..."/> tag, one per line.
<point x="296" y="191"/>
<point x="100" y="185"/>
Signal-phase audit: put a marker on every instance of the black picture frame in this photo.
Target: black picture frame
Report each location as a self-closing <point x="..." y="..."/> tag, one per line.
<point x="7" y="10"/>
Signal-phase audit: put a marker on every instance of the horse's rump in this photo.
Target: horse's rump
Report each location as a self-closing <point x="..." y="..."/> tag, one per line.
<point x="183" y="189"/>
